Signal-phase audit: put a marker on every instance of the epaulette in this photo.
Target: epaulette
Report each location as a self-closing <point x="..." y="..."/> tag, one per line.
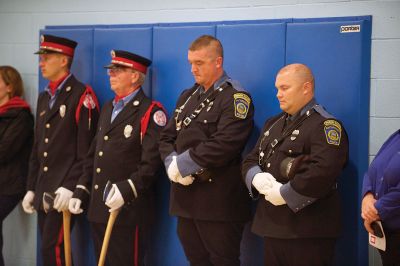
<point x="235" y="84"/>
<point x="321" y="110"/>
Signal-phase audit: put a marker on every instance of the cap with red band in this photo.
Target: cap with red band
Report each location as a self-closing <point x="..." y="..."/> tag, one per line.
<point x="121" y="58"/>
<point x="55" y="44"/>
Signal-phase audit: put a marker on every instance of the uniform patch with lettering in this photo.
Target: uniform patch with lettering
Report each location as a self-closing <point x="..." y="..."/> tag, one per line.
<point x="160" y="118"/>
<point x="242" y="103"/>
<point x="333" y="132"/>
<point x="89" y="102"/>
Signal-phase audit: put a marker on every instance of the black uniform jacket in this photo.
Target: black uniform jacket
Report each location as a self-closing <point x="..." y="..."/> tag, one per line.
<point x="215" y="140"/>
<point x="117" y="155"/>
<point x="313" y="207"/>
<point x="61" y="142"/>
<point x="16" y="139"/>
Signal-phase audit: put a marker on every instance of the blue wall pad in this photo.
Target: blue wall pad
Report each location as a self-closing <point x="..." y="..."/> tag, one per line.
<point x="136" y="40"/>
<point x="254" y="52"/>
<point x="171" y="75"/>
<point x="82" y="66"/>
<point x="342" y="86"/>
<point x="171" y="71"/>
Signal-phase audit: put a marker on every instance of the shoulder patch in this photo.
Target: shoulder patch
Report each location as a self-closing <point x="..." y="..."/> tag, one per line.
<point x="333" y="132"/>
<point x="88" y="102"/>
<point x="242" y="103"/>
<point x="160" y="118"/>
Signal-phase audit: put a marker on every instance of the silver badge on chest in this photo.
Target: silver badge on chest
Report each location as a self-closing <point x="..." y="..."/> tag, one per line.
<point x="294" y="135"/>
<point x="63" y="109"/>
<point x="128" y="131"/>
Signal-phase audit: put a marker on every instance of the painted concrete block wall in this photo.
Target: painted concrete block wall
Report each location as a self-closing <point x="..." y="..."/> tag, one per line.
<point x="21" y="20"/>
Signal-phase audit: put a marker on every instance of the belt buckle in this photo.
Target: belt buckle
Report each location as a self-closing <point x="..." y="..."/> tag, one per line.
<point x="187" y="121"/>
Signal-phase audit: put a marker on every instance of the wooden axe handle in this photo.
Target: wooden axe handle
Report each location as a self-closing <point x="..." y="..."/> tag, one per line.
<point x="67" y="237"/>
<point x="107" y="235"/>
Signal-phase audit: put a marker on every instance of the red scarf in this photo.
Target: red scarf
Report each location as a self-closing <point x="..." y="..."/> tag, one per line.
<point x="118" y="98"/>
<point x="15" y="102"/>
<point x="53" y="85"/>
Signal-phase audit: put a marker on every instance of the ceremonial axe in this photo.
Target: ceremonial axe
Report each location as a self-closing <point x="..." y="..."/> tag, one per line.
<point x="110" y="224"/>
<point x="48" y="205"/>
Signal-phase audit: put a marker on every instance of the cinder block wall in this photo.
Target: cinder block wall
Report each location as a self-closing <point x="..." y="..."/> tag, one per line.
<point x="21" y="20"/>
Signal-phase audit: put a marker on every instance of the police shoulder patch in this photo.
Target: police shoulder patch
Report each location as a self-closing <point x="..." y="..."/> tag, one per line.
<point x="333" y="132"/>
<point x="241" y="102"/>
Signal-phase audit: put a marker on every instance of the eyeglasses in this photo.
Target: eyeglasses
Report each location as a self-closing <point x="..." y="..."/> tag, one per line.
<point x="116" y="70"/>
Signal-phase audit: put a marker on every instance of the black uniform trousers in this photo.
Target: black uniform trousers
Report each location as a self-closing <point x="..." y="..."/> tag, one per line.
<point x="127" y="244"/>
<point x="52" y="237"/>
<point x="208" y="243"/>
<point x="7" y="204"/>
<point x="299" y="251"/>
<point x="391" y="256"/>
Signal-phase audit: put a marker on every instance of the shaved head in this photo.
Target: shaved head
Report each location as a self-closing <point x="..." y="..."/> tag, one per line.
<point x="295" y="85"/>
<point x="300" y="71"/>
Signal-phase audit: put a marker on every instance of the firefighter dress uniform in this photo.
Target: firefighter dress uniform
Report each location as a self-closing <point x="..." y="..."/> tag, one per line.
<point x="124" y="152"/>
<point x="65" y="126"/>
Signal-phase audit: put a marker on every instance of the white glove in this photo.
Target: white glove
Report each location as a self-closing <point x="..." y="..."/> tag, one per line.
<point x="173" y="171"/>
<point x="263" y="181"/>
<point x="114" y="199"/>
<point x="74" y="206"/>
<point x="27" y="202"/>
<point x="186" y="181"/>
<point x="62" y="198"/>
<point x="273" y="194"/>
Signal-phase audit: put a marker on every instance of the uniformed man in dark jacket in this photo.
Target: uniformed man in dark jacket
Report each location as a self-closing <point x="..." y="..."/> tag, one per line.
<point x="124" y="153"/>
<point x="66" y="120"/>
<point x="294" y="169"/>
<point x="201" y="147"/>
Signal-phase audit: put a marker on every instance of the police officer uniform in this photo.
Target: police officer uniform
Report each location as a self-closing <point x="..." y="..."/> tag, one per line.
<point x="124" y="152"/>
<point x="312" y="211"/>
<point x="65" y="126"/>
<point x="207" y="133"/>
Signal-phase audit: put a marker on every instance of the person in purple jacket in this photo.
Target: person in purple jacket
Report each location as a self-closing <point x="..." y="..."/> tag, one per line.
<point x="381" y="197"/>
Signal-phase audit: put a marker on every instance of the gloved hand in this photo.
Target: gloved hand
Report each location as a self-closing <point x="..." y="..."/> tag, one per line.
<point x="186" y="181"/>
<point x="62" y="198"/>
<point x="273" y="194"/>
<point x="74" y="206"/>
<point x="27" y="202"/>
<point x="114" y="199"/>
<point x="173" y="171"/>
<point x="262" y="181"/>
